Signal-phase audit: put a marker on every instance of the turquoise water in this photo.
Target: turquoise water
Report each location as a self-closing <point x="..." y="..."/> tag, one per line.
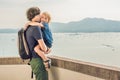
<point x="102" y="48"/>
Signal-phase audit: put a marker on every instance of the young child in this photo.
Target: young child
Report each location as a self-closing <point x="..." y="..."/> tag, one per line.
<point x="47" y="35"/>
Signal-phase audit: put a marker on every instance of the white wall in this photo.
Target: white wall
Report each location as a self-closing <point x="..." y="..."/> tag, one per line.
<point x="23" y="72"/>
<point x="56" y="73"/>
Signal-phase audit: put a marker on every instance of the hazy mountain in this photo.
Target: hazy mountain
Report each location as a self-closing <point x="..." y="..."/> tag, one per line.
<point x="8" y="30"/>
<point x="87" y="25"/>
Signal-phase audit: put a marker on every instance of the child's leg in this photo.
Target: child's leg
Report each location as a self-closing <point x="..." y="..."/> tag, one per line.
<point x="48" y="50"/>
<point x="40" y="53"/>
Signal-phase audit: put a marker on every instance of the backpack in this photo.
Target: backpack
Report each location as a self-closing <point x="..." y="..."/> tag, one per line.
<point x="23" y="48"/>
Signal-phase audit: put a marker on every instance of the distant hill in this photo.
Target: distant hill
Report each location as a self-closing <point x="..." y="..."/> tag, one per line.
<point x="8" y="30"/>
<point x="87" y="25"/>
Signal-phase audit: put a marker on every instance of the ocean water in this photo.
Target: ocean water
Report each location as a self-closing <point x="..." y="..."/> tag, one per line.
<point x="101" y="48"/>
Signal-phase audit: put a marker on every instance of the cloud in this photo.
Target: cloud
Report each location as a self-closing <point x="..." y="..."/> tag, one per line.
<point x="12" y="3"/>
<point x="24" y="3"/>
<point x="60" y="10"/>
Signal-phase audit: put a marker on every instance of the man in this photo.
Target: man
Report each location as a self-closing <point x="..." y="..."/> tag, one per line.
<point x="34" y="37"/>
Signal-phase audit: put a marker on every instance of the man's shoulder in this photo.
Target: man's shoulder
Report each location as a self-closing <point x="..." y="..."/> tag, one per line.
<point x="31" y="29"/>
<point x="34" y="28"/>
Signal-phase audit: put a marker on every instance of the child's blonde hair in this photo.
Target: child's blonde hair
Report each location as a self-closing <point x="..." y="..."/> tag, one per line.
<point x="46" y="14"/>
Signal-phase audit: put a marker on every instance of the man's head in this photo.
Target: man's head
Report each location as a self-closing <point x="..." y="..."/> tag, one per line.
<point x="33" y="14"/>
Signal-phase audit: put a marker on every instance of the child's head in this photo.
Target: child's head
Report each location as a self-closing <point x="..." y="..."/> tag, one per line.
<point x="45" y="17"/>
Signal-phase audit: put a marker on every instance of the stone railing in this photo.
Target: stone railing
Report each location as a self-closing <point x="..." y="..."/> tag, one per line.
<point x="92" y="69"/>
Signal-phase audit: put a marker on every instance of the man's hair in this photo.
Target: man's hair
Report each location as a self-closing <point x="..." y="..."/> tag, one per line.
<point x="32" y="12"/>
<point x="46" y="14"/>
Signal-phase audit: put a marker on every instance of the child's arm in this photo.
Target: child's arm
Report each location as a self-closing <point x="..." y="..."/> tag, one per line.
<point x="33" y="24"/>
<point x="36" y="24"/>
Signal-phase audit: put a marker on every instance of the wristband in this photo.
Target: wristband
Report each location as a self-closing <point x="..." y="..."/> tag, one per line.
<point x="46" y="61"/>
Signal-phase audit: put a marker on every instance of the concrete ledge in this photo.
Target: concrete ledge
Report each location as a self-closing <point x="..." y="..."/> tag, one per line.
<point x="12" y="61"/>
<point x="96" y="70"/>
<point x="92" y="69"/>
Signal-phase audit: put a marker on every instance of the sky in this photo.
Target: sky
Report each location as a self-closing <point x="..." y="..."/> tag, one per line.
<point x="13" y="12"/>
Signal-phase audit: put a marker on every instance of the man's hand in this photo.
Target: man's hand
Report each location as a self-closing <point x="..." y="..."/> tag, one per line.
<point x="47" y="64"/>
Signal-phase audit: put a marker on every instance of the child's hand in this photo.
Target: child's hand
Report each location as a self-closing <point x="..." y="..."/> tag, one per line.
<point x="26" y="26"/>
<point x="41" y="25"/>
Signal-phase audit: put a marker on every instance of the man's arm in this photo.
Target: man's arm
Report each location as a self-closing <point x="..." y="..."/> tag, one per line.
<point x="40" y="53"/>
<point x="42" y="45"/>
